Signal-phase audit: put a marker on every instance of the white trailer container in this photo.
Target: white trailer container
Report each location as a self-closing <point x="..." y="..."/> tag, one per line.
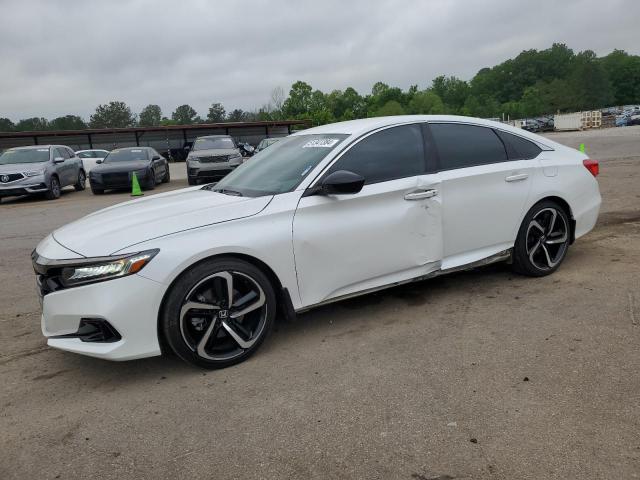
<point x="568" y="121"/>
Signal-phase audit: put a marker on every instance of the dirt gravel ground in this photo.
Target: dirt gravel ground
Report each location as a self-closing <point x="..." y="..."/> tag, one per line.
<point x="482" y="374"/>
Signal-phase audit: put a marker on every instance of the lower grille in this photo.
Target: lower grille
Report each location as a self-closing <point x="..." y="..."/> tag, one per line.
<point x="116" y="178"/>
<point x="214" y="159"/>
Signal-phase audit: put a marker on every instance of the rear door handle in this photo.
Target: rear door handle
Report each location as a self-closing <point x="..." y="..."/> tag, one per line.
<point x="516" y="178"/>
<point x="420" y="194"/>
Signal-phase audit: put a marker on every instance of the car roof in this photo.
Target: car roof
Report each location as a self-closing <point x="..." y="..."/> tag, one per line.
<point x="34" y="147"/>
<point x="215" y="136"/>
<point x="365" y="125"/>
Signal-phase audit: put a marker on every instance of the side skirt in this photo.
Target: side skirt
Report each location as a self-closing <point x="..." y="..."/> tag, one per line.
<point x="498" y="257"/>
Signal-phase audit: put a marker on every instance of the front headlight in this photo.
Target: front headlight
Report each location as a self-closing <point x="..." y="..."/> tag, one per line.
<point x="33" y="173"/>
<point x="104" y="269"/>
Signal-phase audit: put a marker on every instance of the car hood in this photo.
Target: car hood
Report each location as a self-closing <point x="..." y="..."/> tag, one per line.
<point x="107" y="231"/>
<point x="213" y="151"/>
<point x="21" y="167"/>
<point x="121" y="166"/>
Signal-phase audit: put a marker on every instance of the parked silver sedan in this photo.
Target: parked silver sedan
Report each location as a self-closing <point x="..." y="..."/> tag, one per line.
<point x="40" y="169"/>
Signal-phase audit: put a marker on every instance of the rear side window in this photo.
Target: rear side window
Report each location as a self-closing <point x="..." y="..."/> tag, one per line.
<point x="519" y="148"/>
<point x="393" y="153"/>
<point x="86" y="155"/>
<point x="461" y="146"/>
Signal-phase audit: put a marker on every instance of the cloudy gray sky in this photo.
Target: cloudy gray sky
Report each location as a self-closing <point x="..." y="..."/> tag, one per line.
<point x="67" y="56"/>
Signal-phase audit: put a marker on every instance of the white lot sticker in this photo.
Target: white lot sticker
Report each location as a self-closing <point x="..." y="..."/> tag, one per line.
<point x="321" y="143"/>
<point x="136" y="151"/>
<point x="43" y="149"/>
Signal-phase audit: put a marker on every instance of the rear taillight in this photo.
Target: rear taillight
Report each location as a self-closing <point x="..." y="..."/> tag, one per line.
<point x="592" y="166"/>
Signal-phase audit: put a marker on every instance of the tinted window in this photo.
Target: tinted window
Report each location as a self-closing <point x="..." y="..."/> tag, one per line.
<point x="396" y="152"/>
<point x="519" y="148"/>
<point x="127" y="155"/>
<point x="462" y="146"/>
<point x="86" y="155"/>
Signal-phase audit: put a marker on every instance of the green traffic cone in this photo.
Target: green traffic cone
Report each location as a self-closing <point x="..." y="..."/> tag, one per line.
<point x="582" y="148"/>
<point x="136" y="191"/>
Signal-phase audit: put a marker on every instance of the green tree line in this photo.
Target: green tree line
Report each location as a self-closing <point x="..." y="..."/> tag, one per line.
<point x="531" y="84"/>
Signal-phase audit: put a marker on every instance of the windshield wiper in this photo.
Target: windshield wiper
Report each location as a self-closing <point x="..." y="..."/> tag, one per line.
<point x="227" y="191"/>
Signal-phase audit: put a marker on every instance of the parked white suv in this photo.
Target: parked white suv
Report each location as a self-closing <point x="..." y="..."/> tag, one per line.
<point x="324" y="214"/>
<point x="211" y="158"/>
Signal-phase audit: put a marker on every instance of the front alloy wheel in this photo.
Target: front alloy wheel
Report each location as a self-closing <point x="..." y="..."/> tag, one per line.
<point x="543" y="240"/>
<point x="219" y="313"/>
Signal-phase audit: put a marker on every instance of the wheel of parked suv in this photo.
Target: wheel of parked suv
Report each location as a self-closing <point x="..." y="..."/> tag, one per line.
<point x="82" y="181"/>
<point x="54" y="188"/>
<point x="543" y="240"/>
<point x="97" y="191"/>
<point x="219" y="312"/>
<point x="192" y="181"/>
<point x="167" y="175"/>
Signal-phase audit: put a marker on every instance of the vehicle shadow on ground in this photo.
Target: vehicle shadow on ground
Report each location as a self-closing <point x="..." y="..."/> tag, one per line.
<point x="320" y="323"/>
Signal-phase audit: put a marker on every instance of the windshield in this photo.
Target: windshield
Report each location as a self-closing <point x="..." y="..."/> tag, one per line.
<point x="279" y="168"/>
<point x="126" y="155"/>
<point x="26" y="155"/>
<point x="213" y="143"/>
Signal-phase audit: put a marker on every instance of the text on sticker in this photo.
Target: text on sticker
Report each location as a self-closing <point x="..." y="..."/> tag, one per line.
<point x="321" y="143"/>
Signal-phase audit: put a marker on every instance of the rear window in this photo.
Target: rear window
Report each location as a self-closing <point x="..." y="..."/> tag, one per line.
<point x="517" y="147"/>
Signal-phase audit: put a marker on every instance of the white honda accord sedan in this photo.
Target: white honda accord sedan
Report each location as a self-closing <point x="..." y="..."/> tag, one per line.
<point x="327" y="213"/>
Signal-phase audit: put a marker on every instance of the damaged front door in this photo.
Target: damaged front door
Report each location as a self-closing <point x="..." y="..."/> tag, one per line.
<point x="389" y="232"/>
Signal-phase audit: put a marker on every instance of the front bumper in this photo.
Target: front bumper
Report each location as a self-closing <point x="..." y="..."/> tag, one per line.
<point x="204" y="171"/>
<point x="24" y="187"/>
<point x="117" y="181"/>
<point x="130" y="305"/>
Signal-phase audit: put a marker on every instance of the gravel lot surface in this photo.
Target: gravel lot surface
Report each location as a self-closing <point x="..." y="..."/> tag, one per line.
<point x="482" y="374"/>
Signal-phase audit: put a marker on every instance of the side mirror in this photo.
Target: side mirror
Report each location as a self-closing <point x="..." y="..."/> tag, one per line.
<point x="156" y="157"/>
<point x="58" y="160"/>
<point x="187" y="148"/>
<point x="99" y="161"/>
<point x="341" y="182"/>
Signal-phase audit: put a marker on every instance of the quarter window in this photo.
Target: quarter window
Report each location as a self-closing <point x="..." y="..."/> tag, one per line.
<point x="518" y="148"/>
<point x="396" y="152"/>
<point x="461" y="145"/>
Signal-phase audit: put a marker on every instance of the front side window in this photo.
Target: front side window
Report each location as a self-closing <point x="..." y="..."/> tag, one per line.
<point x="62" y="152"/>
<point x="279" y="168"/>
<point x="461" y="145"/>
<point x="213" y="143"/>
<point x="26" y="155"/>
<point x="393" y="153"/>
<point x="126" y="155"/>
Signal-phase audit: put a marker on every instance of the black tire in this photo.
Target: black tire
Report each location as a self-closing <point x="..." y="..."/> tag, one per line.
<point x="543" y="240"/>
<point x="96" y="190"/>
<point x="200" y="282"/>
<point x="167" y="175"/>
<point x="192" y="181"/>
<point x="151" y="182"/>
<point x="81" y="183"/>
<point x="54" y="189"/>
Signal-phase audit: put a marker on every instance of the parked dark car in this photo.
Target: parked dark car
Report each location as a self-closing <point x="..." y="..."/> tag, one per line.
<point x="116" y="170"/>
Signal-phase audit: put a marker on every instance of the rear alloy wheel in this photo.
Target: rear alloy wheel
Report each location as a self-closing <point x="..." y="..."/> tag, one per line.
<point x="82" y="181"/>
<point x="543" y="240"/>
<point x="219" y="313"/>
<point x="54" y="188"/>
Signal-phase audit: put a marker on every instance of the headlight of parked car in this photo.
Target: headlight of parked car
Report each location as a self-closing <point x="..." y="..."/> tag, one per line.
<point x="33" y="173"/>
<point x="104" y="269"/>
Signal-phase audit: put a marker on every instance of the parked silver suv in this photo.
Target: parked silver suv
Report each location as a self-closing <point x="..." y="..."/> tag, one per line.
<point x="211" y="158"/>
<point x="40" y="169"/>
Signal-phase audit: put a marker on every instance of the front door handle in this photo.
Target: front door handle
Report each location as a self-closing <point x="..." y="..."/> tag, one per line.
<point x="516" y="178"/>
<point x="420" y="194"/>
